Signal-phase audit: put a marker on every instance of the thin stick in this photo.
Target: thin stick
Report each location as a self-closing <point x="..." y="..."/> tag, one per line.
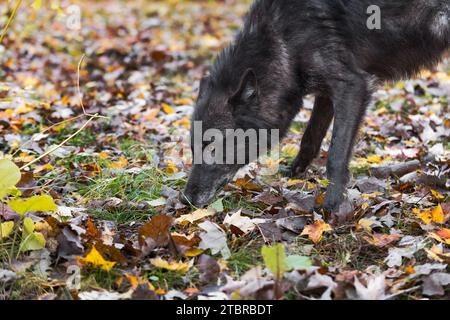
<point x="80" y="96"/>
<point x="45" y="130"/>
<point x="11" y="17"/>
<point x="59" y="145"/>
<point x="91" y="117"/>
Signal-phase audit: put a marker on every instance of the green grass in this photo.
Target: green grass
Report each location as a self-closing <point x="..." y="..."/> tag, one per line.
<point x="245" y="257"/>
<point x="168" y="280"/>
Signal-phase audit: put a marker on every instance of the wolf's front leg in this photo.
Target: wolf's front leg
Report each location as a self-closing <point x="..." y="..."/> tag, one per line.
<point x="351" y="97"/>
<point x="318" y="125"/>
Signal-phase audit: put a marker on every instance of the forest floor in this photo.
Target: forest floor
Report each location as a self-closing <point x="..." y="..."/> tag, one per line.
<point x="99" y="218"/>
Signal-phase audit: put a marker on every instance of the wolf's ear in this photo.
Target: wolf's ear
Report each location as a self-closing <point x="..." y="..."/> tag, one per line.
<point x="247" y="90"/>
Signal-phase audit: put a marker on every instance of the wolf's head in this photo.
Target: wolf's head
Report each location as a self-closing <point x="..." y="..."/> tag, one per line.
<point x="224" y="135"/>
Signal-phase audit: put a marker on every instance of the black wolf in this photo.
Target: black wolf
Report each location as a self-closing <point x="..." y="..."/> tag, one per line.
<point x="290" y="48"/>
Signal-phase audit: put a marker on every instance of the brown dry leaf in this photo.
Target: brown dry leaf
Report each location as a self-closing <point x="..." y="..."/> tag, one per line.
<point x="157" y="229"/>
<point x="247" y="184"/>
<point x="185" y="240"/>
<point x="381" y="240"/>
<point x="91" y="229"/>
<point x="316" y="230"/>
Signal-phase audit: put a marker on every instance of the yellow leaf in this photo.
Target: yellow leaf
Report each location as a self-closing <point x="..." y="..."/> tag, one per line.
<point x="183" y="122"/>
<point x="425" y="215"/>
<point x="194" y="252"/>
<point x="374" y="159"/>
<point x="438" y="215"/>
<point x="194" y="216"/>
<point x="119" y="164"/>
<point x="42" y="203"/>
<point x="316" y="230"/>
<point x="437" y="195"/>
<point x="31" y="240"/>
<point x="95" y="259"/>
<point x="171" y="168"/>
<point x="293" y="182"/>
<point x="9" y="176"/>
<point x="136" y="281"/>
<point x="167" y="109"/>
<point x="103" y="155"/>
<point x="37" y="4"/>
<point x="365" y="224"/>
<point x="181" y="267"/>
<point x="6" y="229"/>
<point x="185" y="101"/>
<point x="290" y="150"/>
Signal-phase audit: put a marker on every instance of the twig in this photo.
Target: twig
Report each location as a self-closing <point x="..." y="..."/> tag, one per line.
<point x="91" y="117"/>
<point x="45" y="130"/>
<point x="11" y="17"/>
<point x="80" y="95"/>
<point x="59" y="145"/>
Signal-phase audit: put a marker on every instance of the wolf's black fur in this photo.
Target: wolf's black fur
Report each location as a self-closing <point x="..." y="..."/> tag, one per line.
<point x="290" y="48"/>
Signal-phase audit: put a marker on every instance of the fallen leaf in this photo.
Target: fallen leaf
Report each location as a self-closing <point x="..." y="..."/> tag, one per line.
<point x="95" y="259"/>
<point x="214" y="238"/>
<point x="119" y="164"/>
<point x="43" y="203"/>
<point x="381" y="240"/>
<point x="6" y="228"/>
<point x="374" y="290"/>
<point x="245" y="224"/>
<point x="167" y="109"/>
<point x="31" y="240"/>
<point x="194" y="216"/>
<point x="437" y="215"/>
<point x="157" y="229"/>
<point x="275" y="259"/>
<point x="181" y="267"/>
<point x="316" y="230"/>
<point x="296" y="262"/>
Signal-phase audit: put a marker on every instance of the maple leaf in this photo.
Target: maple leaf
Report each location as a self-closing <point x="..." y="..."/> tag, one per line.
<point x="95" y="259"/>
<point x="436" y="215"/>
<point x="316" y="230"/>
<point x="214" y="238"/>
<point x="157" y="229"/>
<point x="442" y="235"/>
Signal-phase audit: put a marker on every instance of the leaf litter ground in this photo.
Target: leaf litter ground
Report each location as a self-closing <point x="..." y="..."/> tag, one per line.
<point x="119" y="231"/>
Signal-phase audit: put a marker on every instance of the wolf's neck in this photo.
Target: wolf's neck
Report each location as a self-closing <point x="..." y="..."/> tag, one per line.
<point x="258" y="46"/>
